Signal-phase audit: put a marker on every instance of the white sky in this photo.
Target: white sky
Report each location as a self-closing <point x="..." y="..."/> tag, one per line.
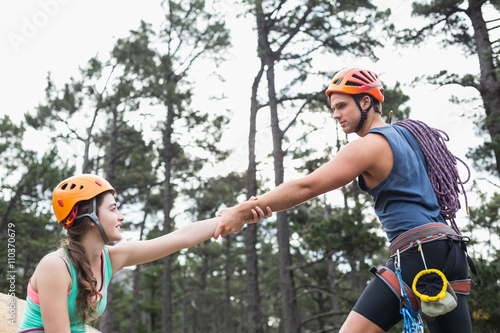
<point x="60" y="35"/>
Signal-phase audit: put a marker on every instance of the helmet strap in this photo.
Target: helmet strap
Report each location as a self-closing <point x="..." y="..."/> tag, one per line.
<point x="95" y="219"/>
<point x="364" y="113"/>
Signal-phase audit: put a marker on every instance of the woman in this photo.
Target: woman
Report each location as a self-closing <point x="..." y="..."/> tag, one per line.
<point x="395" y="165"/>
<point x="69" y="286"/>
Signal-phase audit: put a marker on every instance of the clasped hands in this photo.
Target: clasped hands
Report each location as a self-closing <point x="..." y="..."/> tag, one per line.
<point x="232" y="219"/>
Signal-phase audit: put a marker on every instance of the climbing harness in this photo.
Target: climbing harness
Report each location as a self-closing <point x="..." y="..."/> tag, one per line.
<point x="411" y="318"/>
<point x="425" y="233"/>
<point x="409" y="301"/>
<point x="415" y="237"/>
<point x="390" y="278"/>
<point x="431" y="232"/>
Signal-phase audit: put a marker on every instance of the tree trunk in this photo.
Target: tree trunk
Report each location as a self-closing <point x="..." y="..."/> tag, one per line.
<point x="113" y="146"/>
<point x="106" y="320"/>
<point x="489" y="86"/>
<point x="255" y="320"/>
<point x="185" y="303"/>
<point x="290" y="320"/>
<point x="226" y="305"/>
<point x="134" y="315"/>
<point x="201" y="306"/>
<point x="289" y="303"/>
<point x="333" y="286"/>
<point x="168" y="155"/>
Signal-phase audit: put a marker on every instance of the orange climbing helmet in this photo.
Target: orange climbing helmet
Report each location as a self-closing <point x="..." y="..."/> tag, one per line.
<point x="75" y="189"/>
<point x="354" y="81"/>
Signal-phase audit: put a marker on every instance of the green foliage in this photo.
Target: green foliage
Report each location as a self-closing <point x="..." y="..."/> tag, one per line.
<point x="463" y="23"/>
<point x="121" y="303"/>
<point x="485" y="217"/>
<point x="344" y="232"/>
<point x="484" y="298"/>
<point x="483" y="156"/>
<point x="32" y="235"/>
<point x="10" y="141"/>
<point x="28" y="178"/>
<point x="444" y="77"/>
<point x="224" y="189"/>
<point x="337" y="247"/>
<point x="445" y="18"/>
<point x="395" y="100"/>
<point x="484" y="301"/>
<point x="133" y="161"/>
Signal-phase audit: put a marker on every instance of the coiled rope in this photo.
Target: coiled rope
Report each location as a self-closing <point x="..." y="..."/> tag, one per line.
<point x="441" y="168"/>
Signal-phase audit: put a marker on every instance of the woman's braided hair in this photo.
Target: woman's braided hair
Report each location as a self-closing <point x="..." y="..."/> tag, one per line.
<point x="89" y="297"/>
<point x="441" y="167"/>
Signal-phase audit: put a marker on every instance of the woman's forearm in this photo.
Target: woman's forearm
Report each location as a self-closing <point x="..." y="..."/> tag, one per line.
<point x="197" y="232"/>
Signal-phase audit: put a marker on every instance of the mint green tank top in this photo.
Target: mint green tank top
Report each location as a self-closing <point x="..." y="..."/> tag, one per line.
<point x="32" y="317"/>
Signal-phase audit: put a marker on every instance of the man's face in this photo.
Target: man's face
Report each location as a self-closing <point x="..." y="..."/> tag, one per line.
<point x="345" y="111"/>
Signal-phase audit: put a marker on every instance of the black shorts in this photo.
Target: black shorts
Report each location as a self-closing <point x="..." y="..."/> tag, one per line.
<point x="379" y="304"/>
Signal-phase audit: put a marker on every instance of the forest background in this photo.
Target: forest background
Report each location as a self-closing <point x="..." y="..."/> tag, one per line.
<point x="186" y="106"/>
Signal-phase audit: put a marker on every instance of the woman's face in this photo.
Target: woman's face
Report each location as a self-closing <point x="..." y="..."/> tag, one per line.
<point x="110" y="218"/>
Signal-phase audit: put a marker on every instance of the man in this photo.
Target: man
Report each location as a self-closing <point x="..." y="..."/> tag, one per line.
<point x="390" y="164"/>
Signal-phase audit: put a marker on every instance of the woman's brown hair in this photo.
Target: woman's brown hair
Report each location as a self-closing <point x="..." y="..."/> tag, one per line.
<point x="86" y="304"/>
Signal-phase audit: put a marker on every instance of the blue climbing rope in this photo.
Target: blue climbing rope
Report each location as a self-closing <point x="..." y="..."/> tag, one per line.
<point x="411" y="319"/>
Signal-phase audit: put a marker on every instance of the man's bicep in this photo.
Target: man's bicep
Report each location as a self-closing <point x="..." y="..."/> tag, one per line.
<point x="347" y="165"/>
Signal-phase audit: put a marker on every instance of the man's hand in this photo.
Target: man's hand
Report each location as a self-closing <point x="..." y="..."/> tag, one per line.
<point x="232" y="219"/>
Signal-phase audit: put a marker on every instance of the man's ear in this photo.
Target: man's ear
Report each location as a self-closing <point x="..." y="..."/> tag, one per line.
<point x="365" y="102"/>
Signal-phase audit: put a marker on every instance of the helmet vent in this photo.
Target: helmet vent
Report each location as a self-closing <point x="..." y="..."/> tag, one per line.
<point x="71" y="186"/>
<point x="351" y="83"/>
<point x="68" y="186"/>
<point x="365" y="77"/>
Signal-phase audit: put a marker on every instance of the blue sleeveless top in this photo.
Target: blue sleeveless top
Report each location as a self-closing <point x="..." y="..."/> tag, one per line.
<point x="405" y="199"/>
